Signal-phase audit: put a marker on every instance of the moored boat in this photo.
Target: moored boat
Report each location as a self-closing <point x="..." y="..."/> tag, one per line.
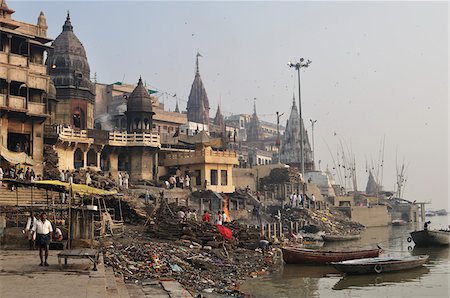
<point x="330" y="238"/>
<point x="380" y="264"/>
<point x="293" y="255"/>
<point x="431" y="237"/>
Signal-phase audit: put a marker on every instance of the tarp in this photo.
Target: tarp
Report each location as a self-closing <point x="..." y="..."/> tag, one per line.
<point x="79" y="189"/>
<point x="226" y="232"/>
<point x="16" y="157"/>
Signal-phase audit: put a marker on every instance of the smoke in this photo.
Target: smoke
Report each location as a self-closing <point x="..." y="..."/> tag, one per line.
<point x="121" y="109"/>
<point x="105" y="121"/>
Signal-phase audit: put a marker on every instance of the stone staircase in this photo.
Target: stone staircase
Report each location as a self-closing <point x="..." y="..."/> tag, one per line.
<point x="27" y="196"/>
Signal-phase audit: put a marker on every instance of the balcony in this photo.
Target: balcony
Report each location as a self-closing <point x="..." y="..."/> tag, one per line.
<point x="146" y="139"/>
<point x="202" y="156"/>
<point x="17" y="102"/>
<point x="36" y="108"/>
<point x="18" y="60"/>
<point x="38" y="68"/>
<point x="67" y="134"/>
<point x="3" y="57"/>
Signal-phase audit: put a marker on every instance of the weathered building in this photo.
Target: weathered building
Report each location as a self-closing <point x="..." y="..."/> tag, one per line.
<point x="290" y="144"/>
<point x="25" y="87"/>
<point x="68" y="66"/>
<point x="208" y="168"/>
<point x="254" y="129"/>
<point x="198" y="103"/>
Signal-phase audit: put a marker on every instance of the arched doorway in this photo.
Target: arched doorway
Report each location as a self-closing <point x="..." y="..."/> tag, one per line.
<point x="123" y="162"/>
<point x="78" y="118"/>
<point x="91" y="158"/>
<point x="105" y="164"/>
<point x="78" y="159"/>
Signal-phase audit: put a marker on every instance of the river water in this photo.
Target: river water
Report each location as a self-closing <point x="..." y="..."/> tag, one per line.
<point x="431" y="280"/>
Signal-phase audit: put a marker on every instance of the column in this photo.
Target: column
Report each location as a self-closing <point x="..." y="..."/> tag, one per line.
<point x="98" y="159"/>
<point x="84" y="159"/>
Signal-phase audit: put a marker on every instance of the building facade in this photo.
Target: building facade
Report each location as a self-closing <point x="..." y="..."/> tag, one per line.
<point x="25" y="87"/>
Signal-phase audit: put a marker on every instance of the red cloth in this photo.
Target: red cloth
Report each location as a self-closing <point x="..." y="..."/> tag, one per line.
<point x="206" y="217"/>
<point x="226" y="232"/>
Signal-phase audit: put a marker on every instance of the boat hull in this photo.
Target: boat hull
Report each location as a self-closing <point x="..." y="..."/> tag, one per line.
<point x="309" y="256"/>
<point x="380" y="265"/>
<point x="431" y="238"/>
<point x="332" y="238"/>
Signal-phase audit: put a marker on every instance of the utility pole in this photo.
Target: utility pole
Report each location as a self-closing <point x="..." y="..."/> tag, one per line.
<point x="312" y="136"/>
<point x="297" y="66"/>
<point x="278" y="143"/>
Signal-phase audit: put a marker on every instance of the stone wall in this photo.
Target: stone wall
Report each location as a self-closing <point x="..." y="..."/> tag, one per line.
<point x="375" y="216"/>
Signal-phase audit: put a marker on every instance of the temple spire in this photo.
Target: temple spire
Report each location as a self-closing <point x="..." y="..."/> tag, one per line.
<point x="177" y="109"/>
<point x="197" y="71"/>
<point x="254" y="106"/>
<point x="68" y="24"/>
<point x="293" y="99"/>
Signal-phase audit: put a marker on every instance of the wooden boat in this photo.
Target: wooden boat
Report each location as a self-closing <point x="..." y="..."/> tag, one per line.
<point x="329" y="238"/>
<point x="362" y="281"/>
<point x="380" y="264"/>
<point x="431" y="237"/>
<point x="293" y="255"/>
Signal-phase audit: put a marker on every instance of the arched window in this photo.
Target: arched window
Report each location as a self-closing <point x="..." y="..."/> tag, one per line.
<point x="146" y="124"/>
<point x="78" y="159"/>
<point x="91" y="158"/>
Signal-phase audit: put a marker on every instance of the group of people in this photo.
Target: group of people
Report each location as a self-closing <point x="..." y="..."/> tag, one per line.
<point x="191" y="214"/>
<point x="178" y="181"/>
<point x="19" y="172"/>
<point x="301" y="199"/>
<point x="40" y="232"/>
<point x="124" y="180"/>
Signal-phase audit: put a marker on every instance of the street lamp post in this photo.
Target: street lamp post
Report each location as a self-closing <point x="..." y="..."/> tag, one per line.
<point x="312" y="129"/>
<point x="278" y="142"/>
<point x="297" y="66"/>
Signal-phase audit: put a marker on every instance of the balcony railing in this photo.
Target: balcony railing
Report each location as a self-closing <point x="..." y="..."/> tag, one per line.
<point x="17" y="102"/>
<point x="119" y="138"/>
<point x="36" y="108"/>
<point x="38" y="68"/>
<point x="116" y="138"/>
<point x="18" y="60"/>
<point x="201" y="153"/>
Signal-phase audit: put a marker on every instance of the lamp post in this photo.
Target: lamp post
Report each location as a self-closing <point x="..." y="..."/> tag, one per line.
<point x="312" y="129"/>
<point x="297" y="66"/>
<point x="278" y="142"/>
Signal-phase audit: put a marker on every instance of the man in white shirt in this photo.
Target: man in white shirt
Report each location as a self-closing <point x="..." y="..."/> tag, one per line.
<point x="43" y="229"/>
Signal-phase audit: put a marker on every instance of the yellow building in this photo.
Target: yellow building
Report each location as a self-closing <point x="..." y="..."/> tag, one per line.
<point x="205" y="166"/>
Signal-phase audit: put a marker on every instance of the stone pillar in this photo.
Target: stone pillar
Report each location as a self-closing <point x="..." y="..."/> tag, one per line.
<point x="84" y="159"/>
<point x="98" y="160"/>
<point x="141" y="163"/>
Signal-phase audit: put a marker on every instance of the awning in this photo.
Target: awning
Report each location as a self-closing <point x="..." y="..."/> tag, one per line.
<point x="16" y="157"/>
<point x="79" y="189"/>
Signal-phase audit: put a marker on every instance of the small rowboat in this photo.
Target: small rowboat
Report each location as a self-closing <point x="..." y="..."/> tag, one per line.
<point x="399" y="222"/>
<point x="380" y="265"/>
<point x="431" y="237"/>
<point x="330" y="238"/>
<point x="293" y="255"/>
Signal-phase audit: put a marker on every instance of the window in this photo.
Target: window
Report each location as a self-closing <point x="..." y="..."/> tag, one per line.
<point x="213" y="177"/>
<point x="259" y="160"/>
<point x="223" y="177"/>
<point x="198" y="177"/>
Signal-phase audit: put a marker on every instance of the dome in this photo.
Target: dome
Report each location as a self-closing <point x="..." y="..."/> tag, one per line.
<point x="139" y="100"/>
<point x="67" y="62"/>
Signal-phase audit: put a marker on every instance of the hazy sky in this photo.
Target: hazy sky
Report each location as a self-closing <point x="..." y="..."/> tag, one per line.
<point x="379" y="70"/>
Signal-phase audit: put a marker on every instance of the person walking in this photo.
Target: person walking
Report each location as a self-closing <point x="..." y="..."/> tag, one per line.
<point x="187" y="182"/>
<point x="125" y="180"/>
<point x="31" y="221"/>
<point x="44" y="231"/>
<point x="224" y="217"/>
<point x="120" y="178"/>
<point x="88" y="178"/>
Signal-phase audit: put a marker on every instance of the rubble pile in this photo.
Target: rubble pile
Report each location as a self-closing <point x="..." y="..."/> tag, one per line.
<point x="197" y="268"/>
<point x="51" y="161"/>
<point x="281" y="176"/>
<point x="167" y="227"/>
<point x="99" y="179"/>
<point x="330" y="222"/>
